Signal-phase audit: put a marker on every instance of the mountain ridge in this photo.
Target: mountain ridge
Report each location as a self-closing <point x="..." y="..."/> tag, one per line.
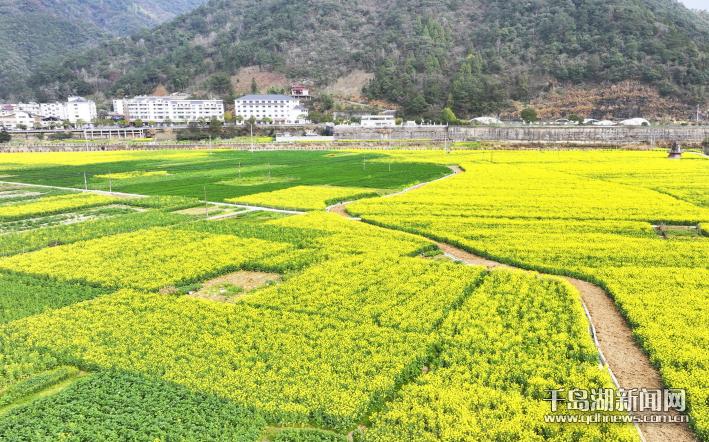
<point x="36" y="31"/>
<point x="476" y="57"/>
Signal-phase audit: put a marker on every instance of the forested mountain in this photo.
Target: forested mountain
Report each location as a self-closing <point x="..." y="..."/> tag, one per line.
<point x="34" y="31"/>
<point x="477" y="56"/>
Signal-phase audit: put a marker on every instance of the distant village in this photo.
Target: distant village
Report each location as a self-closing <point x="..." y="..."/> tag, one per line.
<point x="179" y="110"/>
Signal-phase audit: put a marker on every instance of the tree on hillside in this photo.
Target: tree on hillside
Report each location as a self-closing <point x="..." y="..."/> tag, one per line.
<point x="254" y="86"/>
<point x="5" y="137"/>
<point x="416" y="106"/>
<point x="448" y="116"/>
<point x="529" y="115"/>
<point x="220" y="84"/>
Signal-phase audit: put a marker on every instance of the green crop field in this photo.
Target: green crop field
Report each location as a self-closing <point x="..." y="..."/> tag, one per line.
<point x="161" y="316"/>
<point x="221" y="174"/>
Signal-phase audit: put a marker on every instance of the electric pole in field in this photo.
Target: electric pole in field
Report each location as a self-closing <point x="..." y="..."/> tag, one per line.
<point x="206" y="205"/>
<point x="86" y="182"/>
<point x="252" y="136"/>
<point x="445" y="139"/>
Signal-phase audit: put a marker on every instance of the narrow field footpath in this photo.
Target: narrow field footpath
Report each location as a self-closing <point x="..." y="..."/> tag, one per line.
<point x="626" y="362"/>
<point x="246" y="207"/>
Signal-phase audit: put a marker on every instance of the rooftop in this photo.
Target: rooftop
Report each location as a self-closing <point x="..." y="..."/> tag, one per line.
<point x="273" y="97"/>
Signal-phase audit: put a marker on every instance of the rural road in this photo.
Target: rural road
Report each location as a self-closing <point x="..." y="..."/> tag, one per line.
<point x="626" y="362"/>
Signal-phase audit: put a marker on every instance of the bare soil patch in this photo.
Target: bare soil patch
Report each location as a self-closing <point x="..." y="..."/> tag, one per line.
<point x="264" y="79"/>
<point x="227" y="288"/>
<point x="667" y="232"/>
<point x="201" y="210"/>
<point x="350" y="86"/>
<point x="340" y="209"/>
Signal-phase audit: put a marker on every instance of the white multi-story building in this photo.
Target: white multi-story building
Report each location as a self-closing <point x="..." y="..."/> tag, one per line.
<point x="378" y="121"/>
<point x="54" y="110"/>
<point x="79" y="109"/>
<point x="75" y="109"/>
<point x="30" y="108"/>
<point x="17" y="120"/>
<point x="279" y="109"/>
<point x="173" y="108"/>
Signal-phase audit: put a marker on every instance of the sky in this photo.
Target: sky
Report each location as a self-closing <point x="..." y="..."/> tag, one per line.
<point x="697" y="4"/>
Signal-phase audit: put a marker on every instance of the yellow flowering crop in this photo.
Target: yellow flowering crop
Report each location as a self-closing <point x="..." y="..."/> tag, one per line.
<point x="146" y="259"/>
<point x="405" y="293"/>
<point x="295" y="368"/>
<point x="136" y="174"/>
<point x="588" y="214"/>
<point x="53" y="204"/>
<point x="517" y="336"/>
<point x="305" y="197"/>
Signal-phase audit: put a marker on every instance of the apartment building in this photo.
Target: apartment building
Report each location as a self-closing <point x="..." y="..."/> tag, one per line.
<point x="172" y="108"/>
<point x="75" y="109"/>
<point x="278" y="109"/>
<point x="17" y="120"/>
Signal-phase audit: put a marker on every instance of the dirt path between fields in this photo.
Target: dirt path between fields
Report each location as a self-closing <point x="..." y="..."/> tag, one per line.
<point x="246" y="207"/>
<point x="627" y="363"/>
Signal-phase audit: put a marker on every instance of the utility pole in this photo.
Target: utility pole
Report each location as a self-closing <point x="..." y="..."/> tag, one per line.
<point x="252" y="136"/>
<point x="445" y="140"/>
<point x="110" y="183"/>
<point x="86" y="182"/>
<point x="206" y="206"/>
<point x="239" y="169"/>
<point x="269" y="171"/>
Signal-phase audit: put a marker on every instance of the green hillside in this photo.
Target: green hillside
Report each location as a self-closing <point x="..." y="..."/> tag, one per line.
<point x="476" y="56"/>
<point x="37" y="31"/>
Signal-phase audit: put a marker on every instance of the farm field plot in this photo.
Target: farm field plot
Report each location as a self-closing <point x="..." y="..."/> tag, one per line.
<point x="364" y="331"/>
<point x="495" y="365"/>
<point x="221" y="174"/>
<point x="52" y="204"/>
<point x="591" y="215"/>
<point x="306" y="197"/>
<point x="148" y="259"/>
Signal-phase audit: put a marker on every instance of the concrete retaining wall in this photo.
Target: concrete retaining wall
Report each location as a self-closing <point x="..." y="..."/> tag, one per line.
<point x="523" y="134"/>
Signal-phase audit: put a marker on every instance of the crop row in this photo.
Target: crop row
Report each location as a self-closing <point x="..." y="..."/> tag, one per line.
<point x="305" y="197"/>
<point x="516" y="337"/>
<point x="146" y="259"/>
<point x="23" y="295"/>
<point x="114" y="406"/>
<point x="53" y="204"/>
<point x="406" y="293"/>
<point x="295" y="368"/>
<point x="22" y="242"/>
<point x="528" y="212"/>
